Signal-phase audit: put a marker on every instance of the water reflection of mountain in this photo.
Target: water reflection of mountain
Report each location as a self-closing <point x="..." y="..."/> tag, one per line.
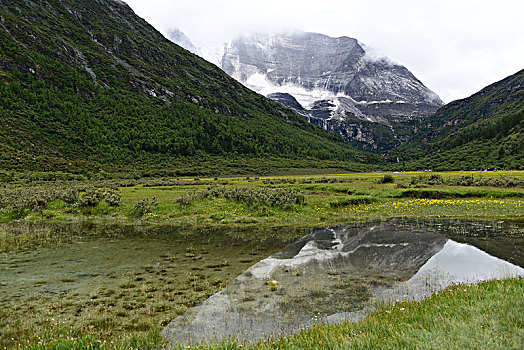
<point x="332" y="274"/>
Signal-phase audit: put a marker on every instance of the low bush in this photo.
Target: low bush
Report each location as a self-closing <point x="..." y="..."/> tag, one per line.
<point x="20" y="201"/>
<point x="386" y="179"/>
<point x="440" y="194"/>
<point x="143" y="207"/>
<point x="278" y="181"/>
<point x="272" y="197"/>
<point x="431" y="180"/>
<point x="501" y="181"/>
<point x="92" y="196"/>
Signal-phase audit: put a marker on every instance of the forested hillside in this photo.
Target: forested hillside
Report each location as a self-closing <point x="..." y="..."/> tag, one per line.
<point x="88" y="83"/>
<point x="483" y="131"/>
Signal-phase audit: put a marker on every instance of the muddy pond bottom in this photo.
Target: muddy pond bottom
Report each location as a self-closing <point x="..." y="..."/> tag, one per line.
<point x="338" y="273"/>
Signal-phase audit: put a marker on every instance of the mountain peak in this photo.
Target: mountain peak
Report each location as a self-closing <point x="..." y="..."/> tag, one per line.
<point x="314" y="61"/>
<point x="181" y="39"/>
<point x="338" y="81"/>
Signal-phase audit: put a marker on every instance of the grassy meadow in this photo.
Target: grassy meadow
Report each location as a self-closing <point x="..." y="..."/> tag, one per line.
<point x="132" y="313"/>
<point x="272" y="204"/>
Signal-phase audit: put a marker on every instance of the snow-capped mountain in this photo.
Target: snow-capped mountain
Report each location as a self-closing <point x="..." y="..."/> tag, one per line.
<point x="314" y="66"/>
<point x="338" y="82"/>
<point x="181" y="39"/>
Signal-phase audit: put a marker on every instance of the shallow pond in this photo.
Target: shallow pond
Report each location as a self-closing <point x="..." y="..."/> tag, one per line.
<point x="339" y="273"/>
<point x="112" y="279"/>
<point x="118" y="279"/>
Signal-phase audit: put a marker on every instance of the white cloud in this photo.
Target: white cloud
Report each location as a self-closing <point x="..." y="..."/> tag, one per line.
<point x="454" y="47"/>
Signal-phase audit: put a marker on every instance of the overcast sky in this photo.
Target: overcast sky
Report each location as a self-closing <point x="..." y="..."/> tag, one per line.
<point x="455" y="47"/>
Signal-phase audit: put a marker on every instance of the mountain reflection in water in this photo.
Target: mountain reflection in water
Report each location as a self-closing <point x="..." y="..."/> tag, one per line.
<point x="334" y="274"/>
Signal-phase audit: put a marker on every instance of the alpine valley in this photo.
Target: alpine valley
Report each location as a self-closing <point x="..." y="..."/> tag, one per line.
<point x="272" y="193"/>
<point x="344" y="87"/>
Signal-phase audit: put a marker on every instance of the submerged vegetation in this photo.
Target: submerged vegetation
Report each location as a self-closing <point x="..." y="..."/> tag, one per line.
<point x="82" y="292"/>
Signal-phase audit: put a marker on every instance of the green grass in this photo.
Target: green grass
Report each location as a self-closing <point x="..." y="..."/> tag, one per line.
<point x="327" y="200"/>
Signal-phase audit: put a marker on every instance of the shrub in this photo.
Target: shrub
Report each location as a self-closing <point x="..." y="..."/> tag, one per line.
<point x="142" y="207"/>
<point x="89" y="198"/>
<point x="112" y="197"/>
<point x="92" y="196"/>
<point x="386" y="179"/>
<point x="424" y="180"/>
<point x="325" y="180"/>
<point x="272" y="197"/>
<point x="186" y="199"/>
<point x="436" y="194"/>
<point x="501" y="181"/>
<point x="463" y="181"/>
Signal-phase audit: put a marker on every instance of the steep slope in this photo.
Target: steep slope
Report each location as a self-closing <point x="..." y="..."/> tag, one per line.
<point x="88" y="82"/>
<point x="338" y="83"/>
<point x="485" y="130"/>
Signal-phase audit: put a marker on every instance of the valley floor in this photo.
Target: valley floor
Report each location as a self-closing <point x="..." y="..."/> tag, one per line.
<point x="249" y="209"/>
<point x="285" y="205"/>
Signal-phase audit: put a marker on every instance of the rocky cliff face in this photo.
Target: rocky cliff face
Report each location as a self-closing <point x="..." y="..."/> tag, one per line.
<point x="335" y="82"/>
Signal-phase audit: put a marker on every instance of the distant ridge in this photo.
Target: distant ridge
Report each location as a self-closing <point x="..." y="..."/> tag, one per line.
<point x="483" y="131"/>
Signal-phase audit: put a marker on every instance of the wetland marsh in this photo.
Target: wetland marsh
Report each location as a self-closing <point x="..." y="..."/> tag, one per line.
<point x="115" y="275"/>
